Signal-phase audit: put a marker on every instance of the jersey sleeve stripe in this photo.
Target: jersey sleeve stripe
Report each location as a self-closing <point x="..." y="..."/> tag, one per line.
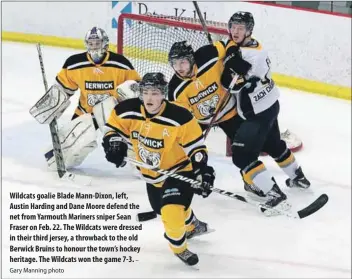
<point x="81" y="107"/>
<point x="122" y="134"/>
<point x="67" y="90"/>
<point x="198" y="145"/>
<point x="194" y="150"/>
<point x="205" y="67"/>
<point x="199" y="139"/>
<point x="179" y="89"/>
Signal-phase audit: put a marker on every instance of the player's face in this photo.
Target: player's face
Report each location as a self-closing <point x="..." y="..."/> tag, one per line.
<point x="152" y="99"/>
<point x="95" y="49"/>
<point x="182" y="67"/>
<point x="238" y="32"/>
<point x="95" y="44"/>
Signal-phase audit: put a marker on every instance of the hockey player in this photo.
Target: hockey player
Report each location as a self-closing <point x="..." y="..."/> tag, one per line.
<point x="193" y="88"/>
<point x="103" y="78"/>
<point x="257" y="104"/>
<point x="196" y="85"/>
<point x="166" y="136"/>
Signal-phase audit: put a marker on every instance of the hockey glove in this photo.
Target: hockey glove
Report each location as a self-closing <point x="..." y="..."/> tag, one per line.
<point x="250" y="85"/>
<point x="127" y="90"/>
<point x="234" y="64"/>
<point x="115" y="150"/>
<point x="203" y="173"/>
<point x="206" y="176"/>
<point x="245" y="100"/>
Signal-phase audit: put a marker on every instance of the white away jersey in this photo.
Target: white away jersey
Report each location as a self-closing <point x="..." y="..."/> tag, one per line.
<point x="266" y="93"/>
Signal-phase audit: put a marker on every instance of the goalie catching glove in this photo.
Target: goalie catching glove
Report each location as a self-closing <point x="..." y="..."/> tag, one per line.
<point x="204" y="174"/>
<point x="115" y="149"/>
<point x="127" y="90"/>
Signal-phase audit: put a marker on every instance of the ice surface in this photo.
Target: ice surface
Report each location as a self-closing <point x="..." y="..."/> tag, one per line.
<point x="245" y="244"/>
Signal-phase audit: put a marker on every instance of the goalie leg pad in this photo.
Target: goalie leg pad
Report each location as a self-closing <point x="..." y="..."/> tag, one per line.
<point x="51" y="105"/>
<point x="78" y="139"/>
<point x="103" y="110"/>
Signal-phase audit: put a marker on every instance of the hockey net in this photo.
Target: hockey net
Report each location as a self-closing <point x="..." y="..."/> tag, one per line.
<point x="147" y="39"/>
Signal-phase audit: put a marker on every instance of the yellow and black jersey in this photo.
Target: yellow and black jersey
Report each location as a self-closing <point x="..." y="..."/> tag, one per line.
<point x="203" y="93"/>
<point x="166" y="140"/>
<point x="95" y="81"/>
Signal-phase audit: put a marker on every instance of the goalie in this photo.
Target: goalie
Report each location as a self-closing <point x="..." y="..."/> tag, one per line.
<point x="104" y="79"/>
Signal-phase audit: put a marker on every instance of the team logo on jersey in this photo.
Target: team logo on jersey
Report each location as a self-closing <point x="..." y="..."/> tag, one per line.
<point x="149" y="157"/>
<point x="96" y="98"/>
<point x="99" y="85"/>
<point x="203" y="94"/>
<point x="208" y="107"/>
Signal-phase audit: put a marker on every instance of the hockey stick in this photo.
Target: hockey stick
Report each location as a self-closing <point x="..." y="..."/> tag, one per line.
<point x="59" y="158"/>
<point x="233" y="82"/>
<point x="305" y="212"/>
<point x="57" y="149"/>
<point x="202" y="21"/>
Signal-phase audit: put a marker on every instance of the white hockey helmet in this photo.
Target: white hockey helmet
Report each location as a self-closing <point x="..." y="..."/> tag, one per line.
<point x="97" y="43"/>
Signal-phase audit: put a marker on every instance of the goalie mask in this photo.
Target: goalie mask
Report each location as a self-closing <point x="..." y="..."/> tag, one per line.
<point x="97" y="43"/>
<point x="181" y="50"/>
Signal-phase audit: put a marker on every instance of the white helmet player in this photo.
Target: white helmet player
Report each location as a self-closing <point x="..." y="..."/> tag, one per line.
<point x="97" y="43"/>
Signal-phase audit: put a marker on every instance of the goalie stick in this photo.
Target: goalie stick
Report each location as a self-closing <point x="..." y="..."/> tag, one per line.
<point x="300" y="214"/>
<point x="59" y="158"/>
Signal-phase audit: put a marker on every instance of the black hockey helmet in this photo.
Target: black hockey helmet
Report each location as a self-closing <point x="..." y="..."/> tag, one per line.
<point x="245" y="18"/>
<point x="154" y="80"/>
<point x="181" y="50"/>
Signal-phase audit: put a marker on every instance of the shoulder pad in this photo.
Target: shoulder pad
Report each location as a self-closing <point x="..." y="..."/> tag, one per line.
<point x="119" y="60"/>
<point x="173" y="85"/>
<point x="129" y="105"/>
<point x="253" y="44"/>
<point x="76" y="58"/>
<point x="176" y="115"/>
<point x="205" y="53"/>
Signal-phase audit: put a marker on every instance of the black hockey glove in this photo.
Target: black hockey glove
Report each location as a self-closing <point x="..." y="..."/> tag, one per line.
<point x="206" y="175"/>
<point x="249" y="85"/>
<point x="246" y="105"/>
<point x="234" y="64"/>
<point x="203" y="173"/>
<point x="115" y="150"/>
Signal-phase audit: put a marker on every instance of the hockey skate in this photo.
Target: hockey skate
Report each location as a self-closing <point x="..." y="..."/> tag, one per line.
<point x="254" y="192"/>
<point x="188" y="257"/>
<point x="276" y="200"/>
<point x="200" y="228"/>
<point x="299" y="181"/>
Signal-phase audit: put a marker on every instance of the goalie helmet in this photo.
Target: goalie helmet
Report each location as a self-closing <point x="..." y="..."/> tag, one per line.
<point x="154" y="80"/>
<point x="97" y="43"/>
<point x="181" y="50"/>
<point x="245" y="18"/>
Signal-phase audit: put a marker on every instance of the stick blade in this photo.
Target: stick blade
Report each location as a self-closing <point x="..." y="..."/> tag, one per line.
<point x="314" y="206"/>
